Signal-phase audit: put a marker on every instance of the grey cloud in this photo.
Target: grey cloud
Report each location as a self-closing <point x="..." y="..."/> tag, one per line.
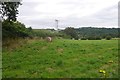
<point x="27" y="8"/>
<point x="109" y="13"/>
<point x="41" y="23"/>
<point x="106" y="17"/>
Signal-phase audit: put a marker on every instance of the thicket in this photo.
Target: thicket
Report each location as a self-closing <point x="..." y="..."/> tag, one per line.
<point x="15" y="30"/>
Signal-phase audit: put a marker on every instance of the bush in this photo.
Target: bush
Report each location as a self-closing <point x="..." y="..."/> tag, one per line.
<point x="83" y="38"/>
<point x="76" y="38"/>
<point x="94" y="38"/>
<point x="98" y="38"/>
<point x="14" y="30"/>
<point x="108" y="37"/>
<point x="91" y="38"/>
<point x="71" y="32"/>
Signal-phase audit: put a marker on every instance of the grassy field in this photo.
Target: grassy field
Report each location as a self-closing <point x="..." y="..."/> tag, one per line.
<point x="62" y="58"/>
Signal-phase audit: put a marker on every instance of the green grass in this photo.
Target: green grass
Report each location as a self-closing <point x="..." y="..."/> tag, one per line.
<point x="62" y="58"/>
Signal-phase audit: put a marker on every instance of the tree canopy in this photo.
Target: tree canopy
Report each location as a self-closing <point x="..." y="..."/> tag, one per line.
<point x="9" y="10"/>
<point x="71" y="31"/>
<point x="11" y="28"/>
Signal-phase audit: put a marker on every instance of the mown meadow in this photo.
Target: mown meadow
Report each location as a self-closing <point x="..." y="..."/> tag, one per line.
<point x="62" y="58"/>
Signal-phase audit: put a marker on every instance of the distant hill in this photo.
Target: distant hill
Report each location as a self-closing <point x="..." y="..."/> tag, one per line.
<point x="98" y="32"/>
<point x="84" y="32"/>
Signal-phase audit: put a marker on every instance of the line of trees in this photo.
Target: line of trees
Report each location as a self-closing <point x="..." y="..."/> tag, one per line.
<point x="92" y="33"/>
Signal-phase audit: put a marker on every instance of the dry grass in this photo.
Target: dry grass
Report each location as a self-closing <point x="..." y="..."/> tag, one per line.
<point x="11" y="44"/>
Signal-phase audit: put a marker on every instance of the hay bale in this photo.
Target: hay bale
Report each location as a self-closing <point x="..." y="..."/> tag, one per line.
<point x="49" y="39"/>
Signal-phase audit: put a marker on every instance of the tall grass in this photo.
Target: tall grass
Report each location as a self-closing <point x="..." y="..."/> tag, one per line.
<point x="11" y="43"/>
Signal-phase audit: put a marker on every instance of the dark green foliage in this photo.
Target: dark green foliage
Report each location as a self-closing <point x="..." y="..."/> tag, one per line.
<point x="91" y="33"/>
<point x="108" y="37"/>
<point x="14" y="30"/>
<point x="93" y="38"/>
<point x="83" y="38"/>
<point x="97" y="33"/>
<point x="98" y="38"/>
<point x="11" y="28"/>
<point x="30" y="28"/>
<point x="9" y="10"/>
<point x="71" y="32"/>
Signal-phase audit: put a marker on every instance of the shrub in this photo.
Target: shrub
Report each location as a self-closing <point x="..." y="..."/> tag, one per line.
<point x="83" y="38"/>
<point x="91" y="38"/>
<point x="108" y="37"/>
<point x="98" y="38"/>
<point x="76" y="38"/>
<point x="94" y="38"/>
<point x="14" y="30"/>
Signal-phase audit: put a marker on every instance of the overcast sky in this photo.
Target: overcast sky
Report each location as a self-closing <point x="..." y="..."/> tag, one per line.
<point x="70" y="13"/>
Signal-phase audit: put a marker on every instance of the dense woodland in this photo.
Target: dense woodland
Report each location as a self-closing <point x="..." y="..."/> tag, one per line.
<point x="98" y="32"/>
